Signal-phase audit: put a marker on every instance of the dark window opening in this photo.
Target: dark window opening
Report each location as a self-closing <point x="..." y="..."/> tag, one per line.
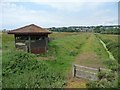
<point x="22" y="38"/>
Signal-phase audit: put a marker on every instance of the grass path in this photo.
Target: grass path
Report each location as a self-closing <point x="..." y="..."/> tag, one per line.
<point x="93" y="55"/>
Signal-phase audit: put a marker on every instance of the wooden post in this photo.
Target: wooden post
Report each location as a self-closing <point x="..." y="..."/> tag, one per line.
<point x="99" y="77"/>
<point x="45" y="44"/>
<point x="15" y="40"/>
<point x="74" y="70"/>
<point x="46" y="39"/>
<point x="99" y="69"/>
<point x="29" y="38"/>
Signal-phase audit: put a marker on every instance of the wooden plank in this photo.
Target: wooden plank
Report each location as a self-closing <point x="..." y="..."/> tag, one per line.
<point x="93" y="77"/>
<point x="80" y="66"/>
<point x="86" y="67"/>
<point x="87" y="75"/>
<point x="20" y="43"/>
<point x="84" y="72"/>
<point x="73" y="73"/>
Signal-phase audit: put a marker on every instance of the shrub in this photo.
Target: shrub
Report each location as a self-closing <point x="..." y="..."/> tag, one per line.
<point x="24" y="71"/>
<point x="73" y="53"/>
<point x="112" y="64"/>
<point x="107" y="79"/>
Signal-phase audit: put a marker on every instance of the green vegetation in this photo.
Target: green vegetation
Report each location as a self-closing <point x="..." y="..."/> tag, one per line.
<point x="23" y="70"/>
<point x="58" y="35"/>
<point x="108" y="79"/>
<point x="103" y="30"/>
<point x="0" y="60"/>
<point x="112" y="44"/>
<point x="51" y="70"/>
<point x="7" y="42"/>
<point x="64" y="51"/>
<point x="64" y="29"/>
<point x="27" y="70"/>
<point x="92" y="51"/>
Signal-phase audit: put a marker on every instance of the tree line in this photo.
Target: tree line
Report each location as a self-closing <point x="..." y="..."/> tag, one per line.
<point x="100" y="29"/>
<point x="95" y="29"/>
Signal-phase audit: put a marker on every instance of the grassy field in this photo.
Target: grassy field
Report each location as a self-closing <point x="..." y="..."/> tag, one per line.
<point x="52" y="69"/>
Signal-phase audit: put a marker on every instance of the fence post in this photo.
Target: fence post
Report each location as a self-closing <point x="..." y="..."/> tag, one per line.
<point x="99" y="69"/>
<point x="74" y="70"/>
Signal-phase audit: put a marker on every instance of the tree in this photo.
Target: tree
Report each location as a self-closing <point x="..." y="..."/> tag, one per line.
<point x="97" y="29"/>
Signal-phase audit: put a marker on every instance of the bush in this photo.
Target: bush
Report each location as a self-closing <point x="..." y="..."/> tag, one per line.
<point x="112" y="64"/>
<point x="73" y="53"/>
<point x="24" y="71"/>
<point x="106" y="79"/>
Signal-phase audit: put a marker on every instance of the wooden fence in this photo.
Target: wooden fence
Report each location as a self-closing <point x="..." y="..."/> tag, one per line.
<point x="86" y="72"/>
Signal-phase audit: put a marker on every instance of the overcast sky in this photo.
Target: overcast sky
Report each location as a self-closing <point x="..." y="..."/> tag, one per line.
<point x="50" y="13"/>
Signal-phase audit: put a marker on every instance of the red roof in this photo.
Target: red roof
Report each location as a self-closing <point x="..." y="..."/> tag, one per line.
<point x="30" y="29"/>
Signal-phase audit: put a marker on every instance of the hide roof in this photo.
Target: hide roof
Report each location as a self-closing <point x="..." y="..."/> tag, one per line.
<point x="30" y="29"/>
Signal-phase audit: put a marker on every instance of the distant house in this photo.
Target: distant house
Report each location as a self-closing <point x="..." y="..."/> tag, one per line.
<point x="31" y="38"/>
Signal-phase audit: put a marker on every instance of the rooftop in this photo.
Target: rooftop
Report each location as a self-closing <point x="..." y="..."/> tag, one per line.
<point x="30" y="29"/>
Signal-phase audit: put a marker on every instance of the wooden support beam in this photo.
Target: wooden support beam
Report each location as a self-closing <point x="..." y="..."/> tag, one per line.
<point x="74" y="70"/>
<point x="29" y="38"/>
<point x="46" y="42"/>
<point x="15" y="40"/>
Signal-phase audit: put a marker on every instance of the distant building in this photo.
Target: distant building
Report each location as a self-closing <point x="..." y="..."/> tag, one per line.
<point x="31" y="38"/>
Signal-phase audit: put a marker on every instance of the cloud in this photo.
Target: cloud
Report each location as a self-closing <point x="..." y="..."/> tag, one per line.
<point x="69" y="6"/>
<point x="47" y="1"/>
<point x="18" y="15"/>
<point x="58" y="14"/>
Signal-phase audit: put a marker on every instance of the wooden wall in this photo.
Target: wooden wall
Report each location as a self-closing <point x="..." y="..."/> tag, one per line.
<point x="33" y="46"/>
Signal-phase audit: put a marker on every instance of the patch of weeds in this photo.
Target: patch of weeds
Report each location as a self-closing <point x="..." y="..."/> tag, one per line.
<point x="73" y="53"/>
<point x="79" y="46"/>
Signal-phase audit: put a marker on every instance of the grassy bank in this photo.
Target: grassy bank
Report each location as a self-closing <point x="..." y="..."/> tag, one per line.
<point x="109" y="79"/>
<point x="112" y="44"/>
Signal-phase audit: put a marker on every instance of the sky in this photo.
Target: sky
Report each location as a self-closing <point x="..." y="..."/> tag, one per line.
<point x="57" y="13"/>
